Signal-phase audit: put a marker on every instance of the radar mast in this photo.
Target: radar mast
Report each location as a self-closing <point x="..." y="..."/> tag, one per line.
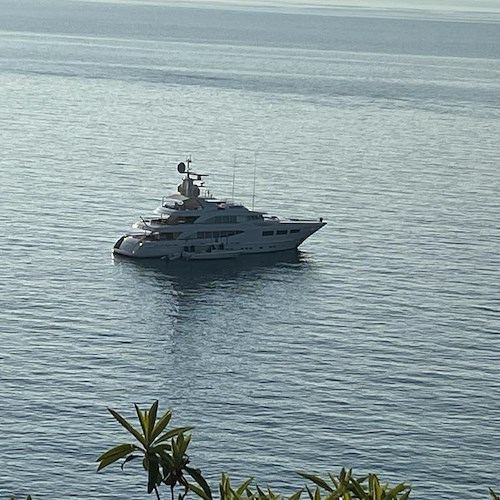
<point x="192" y="182"/>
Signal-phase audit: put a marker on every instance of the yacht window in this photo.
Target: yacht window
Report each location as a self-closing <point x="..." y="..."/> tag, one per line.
<point x="216" y="234"/>
<point x="294" y="230"/>
<point x="168" y="236"/>
<point x="223" y="219"/>
<point x="282" y="231"/>
<point x="186" y="220"/>
<point x="180" y="219"/>
<point x="161" y="236"/>
<point x="267" y="233"/>
<point x="230" y="233"/>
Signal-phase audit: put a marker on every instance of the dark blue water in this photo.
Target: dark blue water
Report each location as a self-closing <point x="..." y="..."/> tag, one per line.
<point x="376" y="347"/>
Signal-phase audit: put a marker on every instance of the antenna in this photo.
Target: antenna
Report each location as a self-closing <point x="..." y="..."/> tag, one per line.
<point x="254" y="175"/>
<point x="234" y="176"/>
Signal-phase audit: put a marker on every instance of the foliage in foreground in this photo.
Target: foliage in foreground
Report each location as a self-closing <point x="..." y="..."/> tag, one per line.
<point x="164" y="458"/>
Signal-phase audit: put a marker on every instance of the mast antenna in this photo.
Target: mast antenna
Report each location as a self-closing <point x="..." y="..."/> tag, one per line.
<point x="234" y="176"/>
<point x="254" y="176"/>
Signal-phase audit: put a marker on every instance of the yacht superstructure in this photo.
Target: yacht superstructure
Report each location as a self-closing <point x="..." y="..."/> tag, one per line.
<point x="194" y="225"/>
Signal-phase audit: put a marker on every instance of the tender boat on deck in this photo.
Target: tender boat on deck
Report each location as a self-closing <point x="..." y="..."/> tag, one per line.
<point x="194" y="225"/>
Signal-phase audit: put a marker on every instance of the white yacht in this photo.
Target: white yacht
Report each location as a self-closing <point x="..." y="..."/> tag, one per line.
<point x="194" y="225"/>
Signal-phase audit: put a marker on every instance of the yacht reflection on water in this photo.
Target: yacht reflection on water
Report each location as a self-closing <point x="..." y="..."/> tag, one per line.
<point x="194" y="274"/>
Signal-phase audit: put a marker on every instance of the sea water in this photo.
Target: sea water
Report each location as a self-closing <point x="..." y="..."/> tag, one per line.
<point x="375" y="347"/>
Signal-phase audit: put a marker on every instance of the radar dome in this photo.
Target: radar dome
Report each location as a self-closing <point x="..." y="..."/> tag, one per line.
<point x="181" y="168"/>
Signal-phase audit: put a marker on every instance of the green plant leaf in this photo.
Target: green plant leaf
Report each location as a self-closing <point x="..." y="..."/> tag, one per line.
<point x="153" y="472"/>
<point x="143" y="418"/>
<point x="296" y="495"/>
<point x="375" y="490"/>
<point x="407" y="494"/>
<point x="179" y="447"/>
<point x="317" y="494"/>
<point x="153" y="411"/>
<point x="317" y="480"/>
<point x="227" y="492"/>
<point x="199" y="491"/>
<point x="397" y="489"/>
<point x="244" y="486"/>
<point x="343" y="484"/>
<point x="128" y="448"/>
<point x="357" y="488"/>
<point x="172" y="433"/>
<point x="163" y="421"/>
<point x="344" y="474"/>
<point x="128" y="459"/>
<point x="260" y="492"/>
<point x="270" y="494"/>
<point x="197" y="476"/>
<point x="224" y="486"/>
<point x="167" y="462"/>
<point x="115" y="454"/>
<point x="309" y="492"/>
<point x="334" y="480"/>
<point x="128" y="426"/>
<point x="161" y="448"/>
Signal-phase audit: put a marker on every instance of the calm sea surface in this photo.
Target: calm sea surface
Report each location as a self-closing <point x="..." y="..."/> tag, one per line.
<point x="377" y="347"/>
